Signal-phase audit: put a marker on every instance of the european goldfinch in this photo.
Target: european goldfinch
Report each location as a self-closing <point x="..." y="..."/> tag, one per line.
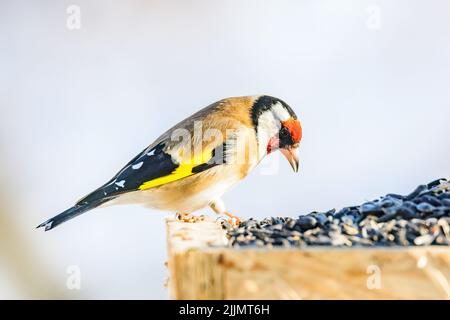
<point x="195" y="162"/>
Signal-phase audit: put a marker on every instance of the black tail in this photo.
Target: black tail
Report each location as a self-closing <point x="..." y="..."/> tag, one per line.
<point x="70" y="213"/>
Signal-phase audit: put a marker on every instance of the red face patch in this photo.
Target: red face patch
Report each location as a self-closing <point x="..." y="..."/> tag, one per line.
<point x="273" y="144"/>
<point x="295" y="129"/>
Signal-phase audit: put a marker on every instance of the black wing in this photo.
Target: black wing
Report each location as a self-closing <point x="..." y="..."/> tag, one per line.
<point x="148" y="165"/>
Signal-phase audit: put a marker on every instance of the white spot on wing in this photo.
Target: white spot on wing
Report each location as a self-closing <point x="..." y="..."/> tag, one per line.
<point x="151" y="153"/>
<point x="120" y="183"/>
<point x="137" y="165"/>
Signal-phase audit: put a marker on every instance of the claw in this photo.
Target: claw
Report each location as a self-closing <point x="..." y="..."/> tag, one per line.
<point x="234" y="221"/>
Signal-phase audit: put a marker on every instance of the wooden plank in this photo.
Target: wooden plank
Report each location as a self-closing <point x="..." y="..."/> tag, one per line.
<point x="202" y="267"/>
<point x="192" y="273"/>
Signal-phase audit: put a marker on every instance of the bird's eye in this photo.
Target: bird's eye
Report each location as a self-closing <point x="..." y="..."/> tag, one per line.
<point x="284" y="133"/>
<point x="285" y="137"/>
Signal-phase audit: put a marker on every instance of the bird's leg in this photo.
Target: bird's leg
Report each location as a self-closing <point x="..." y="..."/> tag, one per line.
<point x="218" y="206"/>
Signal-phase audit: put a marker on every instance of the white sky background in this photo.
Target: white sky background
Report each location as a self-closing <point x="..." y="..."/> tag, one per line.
<point x="75" y="106"/>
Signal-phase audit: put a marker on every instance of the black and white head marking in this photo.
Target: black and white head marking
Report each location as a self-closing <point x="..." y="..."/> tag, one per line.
<point x="267" y="113"/>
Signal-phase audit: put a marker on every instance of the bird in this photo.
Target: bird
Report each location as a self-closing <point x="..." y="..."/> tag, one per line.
<point x="191" y="165"/>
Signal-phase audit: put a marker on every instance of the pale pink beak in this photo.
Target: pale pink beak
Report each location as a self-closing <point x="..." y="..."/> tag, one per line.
<point x="291" y="154"/>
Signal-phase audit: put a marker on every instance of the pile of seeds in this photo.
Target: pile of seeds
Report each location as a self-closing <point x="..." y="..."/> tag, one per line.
<point x="420" y="218"/>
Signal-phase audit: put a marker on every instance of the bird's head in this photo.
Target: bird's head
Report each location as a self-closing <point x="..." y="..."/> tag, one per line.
<point x="277" y="128"/>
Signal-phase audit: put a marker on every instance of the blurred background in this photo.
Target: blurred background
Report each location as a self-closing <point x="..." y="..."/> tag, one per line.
<point x="85" y="85"/>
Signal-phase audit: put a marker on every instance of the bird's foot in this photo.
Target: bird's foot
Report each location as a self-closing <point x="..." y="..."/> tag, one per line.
<point x="187" y="217"/>
<point x="233" y="220"/>
<point x="219" y="207"/>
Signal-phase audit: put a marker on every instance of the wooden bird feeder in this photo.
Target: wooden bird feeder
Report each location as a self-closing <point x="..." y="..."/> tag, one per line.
<point x="202" y="266"/>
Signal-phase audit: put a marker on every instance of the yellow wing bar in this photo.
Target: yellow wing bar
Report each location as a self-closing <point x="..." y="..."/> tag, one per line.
<point x="182" y="171"/>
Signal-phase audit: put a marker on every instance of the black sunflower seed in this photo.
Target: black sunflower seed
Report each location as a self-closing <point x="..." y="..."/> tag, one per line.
<point x="420" y="218"/>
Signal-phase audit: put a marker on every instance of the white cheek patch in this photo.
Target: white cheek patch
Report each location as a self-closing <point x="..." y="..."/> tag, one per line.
<point x="268" y="126"/>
